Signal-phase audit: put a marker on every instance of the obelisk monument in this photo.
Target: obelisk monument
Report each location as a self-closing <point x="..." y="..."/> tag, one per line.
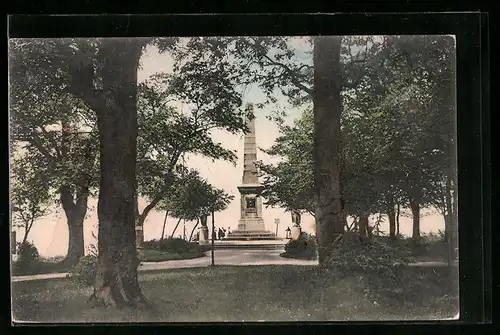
<point x="251" y="224"/>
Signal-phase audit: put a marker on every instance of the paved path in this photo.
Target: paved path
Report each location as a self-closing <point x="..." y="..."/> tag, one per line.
<point x="222" y="257"/>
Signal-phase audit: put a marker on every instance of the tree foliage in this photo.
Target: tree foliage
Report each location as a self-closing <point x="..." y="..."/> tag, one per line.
<point x="192" y="197"/>
<point x="207" y="87"/>
<point x="55" y="129"/>
<point x="30" y="196"/>
<point x="397" y="129"/>
<point x="289" y="184"/>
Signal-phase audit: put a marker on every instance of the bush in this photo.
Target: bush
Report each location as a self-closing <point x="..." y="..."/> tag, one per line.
<point x="28" y="259"/>
<point x="151" y="244"/>
<point x="172" y="245"/>
<point x="303" y="248"/>
<point x="376" y="256"/>
<point x="175" y="245"/>
<point x="85" y="270"/>
<point x="27" y="252"/>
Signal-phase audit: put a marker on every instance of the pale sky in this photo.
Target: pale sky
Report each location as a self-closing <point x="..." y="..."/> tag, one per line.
<point x="50" y="234"/>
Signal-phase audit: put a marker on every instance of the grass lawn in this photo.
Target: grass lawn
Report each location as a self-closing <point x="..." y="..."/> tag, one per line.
<point x="54" y="265"/>
<point x="250" y="293"/>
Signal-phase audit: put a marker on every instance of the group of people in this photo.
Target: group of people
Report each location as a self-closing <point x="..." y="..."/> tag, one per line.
<point x="219" y="233"/>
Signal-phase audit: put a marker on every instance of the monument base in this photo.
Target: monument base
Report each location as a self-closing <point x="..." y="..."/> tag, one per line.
<point x="242" y="235"/>
<point x="251" y="225"/>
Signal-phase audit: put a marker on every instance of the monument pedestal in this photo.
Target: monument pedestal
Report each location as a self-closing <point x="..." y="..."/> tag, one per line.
<point x="139" y="237"/>
<point x="203" y="235"/>
<point x="295" y="232"/>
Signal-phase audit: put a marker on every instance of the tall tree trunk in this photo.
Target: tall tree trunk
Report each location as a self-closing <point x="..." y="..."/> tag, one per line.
<point x="415" y="211"/>
<point x="192" y="231"/>
<point x="74" y="209"/>
<point x="75" y="215"/>
<point x="116" y="281"/>
<point x="398" y="212"/>
<point x="392" y="220"/>
<point x="164" y="225"/>
<point x="177" y="225"/>
<point x="326" y="150"/>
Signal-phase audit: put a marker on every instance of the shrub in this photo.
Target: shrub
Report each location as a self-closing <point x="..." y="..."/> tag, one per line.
<point x="27" y="252"/>
<point x="85" y="270"/>
<point x="28" y="259"/>
<point x="172" y="245"/>
<point x="303" y="248"/>
<point x="151" y="244"/>
<point x="176" y="245"/>
<point x="377" y="256"/>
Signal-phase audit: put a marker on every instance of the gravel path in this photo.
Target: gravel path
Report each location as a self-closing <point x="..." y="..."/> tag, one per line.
<point x="242" y="257"/>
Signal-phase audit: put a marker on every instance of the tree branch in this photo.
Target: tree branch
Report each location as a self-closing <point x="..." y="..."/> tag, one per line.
<point x="82" y="86"/>
<point x="294" y="80"/>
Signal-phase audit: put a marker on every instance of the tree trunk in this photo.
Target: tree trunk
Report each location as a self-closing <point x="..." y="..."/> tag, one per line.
<point x="177" y="225"/>
<point x="392" y="221"/>
<point x="415" y="210"/>
<point x="75" y="214"/>
<point x="363" y="227"/>
<point x="398" y="212"/>
<point x="74" y="209"/>
<point x="164" y="225"/>
<point x="141" y="217"/>
<point x="192" y="231"/>
<point x="204" y="221"/>
<point x="25" y="237"/>
<point x="326" y="150"/>
<point x="139" y="223"/>
<point x="116" y="281"/>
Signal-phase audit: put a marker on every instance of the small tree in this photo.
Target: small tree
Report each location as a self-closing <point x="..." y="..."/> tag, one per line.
<point x="30" y="197"/>
<point x="196" y="200"/>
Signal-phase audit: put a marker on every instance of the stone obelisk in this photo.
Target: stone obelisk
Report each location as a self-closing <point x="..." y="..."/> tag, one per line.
<point x="251" y="224"/>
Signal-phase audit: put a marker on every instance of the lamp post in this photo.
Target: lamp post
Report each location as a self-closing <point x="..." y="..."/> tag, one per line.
<point x="184" y="231"/>
<point x="213" y="235"/>
<point x="277" y="222"/>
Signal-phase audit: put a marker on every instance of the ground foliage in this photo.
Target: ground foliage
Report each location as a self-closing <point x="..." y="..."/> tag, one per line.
<point x="28" y="257"/>
<point x="271" y="293"/>
<point x="303" y="248"/>
<point x="84" y="272"/>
